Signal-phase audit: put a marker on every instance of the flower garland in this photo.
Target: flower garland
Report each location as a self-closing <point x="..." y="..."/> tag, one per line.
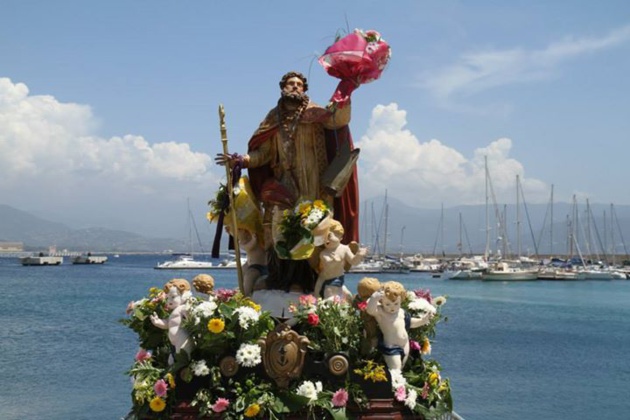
<point x="227" y="323"/>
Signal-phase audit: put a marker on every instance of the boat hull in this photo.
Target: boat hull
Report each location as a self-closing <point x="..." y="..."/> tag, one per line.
<point x="513" y="276"/>
<point x="89" y="259"/>
<point x="41" y="260"/>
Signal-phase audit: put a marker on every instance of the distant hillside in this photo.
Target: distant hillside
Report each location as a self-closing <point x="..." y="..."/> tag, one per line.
<point x="407" y="229"/>
<point x="36" y="233"/>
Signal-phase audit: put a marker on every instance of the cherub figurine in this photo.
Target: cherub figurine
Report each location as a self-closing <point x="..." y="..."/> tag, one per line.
<point x="385" y="306"/>
<point x="204" y="283"/>
<point x="332" y="264"/>
<point x="177" y="294"/>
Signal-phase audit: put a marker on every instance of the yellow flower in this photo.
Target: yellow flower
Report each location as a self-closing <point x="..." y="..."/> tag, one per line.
<point x="171" y="380"/>
<point x="443" y="387"/>
<point x="372" y="371"/>
<point x="216" y="325"/>
<point x="157" y="404"/>
<point x="319" y="204"/>
<point x="304" y="208"/>
<point x="434" y="379"/>
<point x="252" y="410"/>
<point x="253" y="305"/>
<point x="426" y="346"/>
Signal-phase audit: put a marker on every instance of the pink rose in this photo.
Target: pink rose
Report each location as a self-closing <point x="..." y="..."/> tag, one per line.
<point x="362" y="305"/>
<point x="160" y="388"/>
<point x="414" y="345"/>
<point x="307" y="300"/>
<point x="143" y="355"/>
<point x="313" y="319"/>
<point x="425" y="390"/>
<point x="224" y="294"/>
<point x="220" y="405"/>
<point x="130" y="307"/>
<point x="400" y="393"/>
<point x="340" y="398"/>
<point x="424" y="294"/>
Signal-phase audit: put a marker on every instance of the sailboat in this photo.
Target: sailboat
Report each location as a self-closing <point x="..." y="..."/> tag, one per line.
<point x="504" y="270"/>
<point x="185" y="261"/>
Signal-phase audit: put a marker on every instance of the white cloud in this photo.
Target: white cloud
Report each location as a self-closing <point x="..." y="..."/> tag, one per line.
<point x="427" y="174"/>
<point x="478" y="71"/>
<point x="51" y="158"/>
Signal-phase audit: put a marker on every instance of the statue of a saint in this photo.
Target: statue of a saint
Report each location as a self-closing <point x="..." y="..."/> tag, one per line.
<point x="287" y="156"/>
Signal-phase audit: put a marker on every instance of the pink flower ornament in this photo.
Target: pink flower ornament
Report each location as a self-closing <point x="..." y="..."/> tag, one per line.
<point x="340" y="398"/>
<point x="143" y="355"/>
<point x="160" y="388"/>
<point x="220" y="405"/>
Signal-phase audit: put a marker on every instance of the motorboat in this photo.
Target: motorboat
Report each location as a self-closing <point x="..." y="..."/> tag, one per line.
<point x="184" y="261"/>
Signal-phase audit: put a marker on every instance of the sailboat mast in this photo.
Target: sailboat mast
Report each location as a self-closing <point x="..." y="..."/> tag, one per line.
<point x="487" y="251"/>
<point x="518" y="219"/>
<point x="612" y="236"/>
<point x="386" y="222"/>
<point x="551" y="226"/>
<point x="460" y="243"/>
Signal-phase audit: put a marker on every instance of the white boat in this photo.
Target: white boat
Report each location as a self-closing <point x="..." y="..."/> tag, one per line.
<point x="600" y="274"/>
<point x="556" y="273"/>
<point x="502" y="271"/>
<point x="392" y="266"/>
<point x="229" y="263"/>
<point x="464" y="274"/>
<point x="89" y="259"/>
<point x="41" y="259"/>
<point x="370" y="266"/>
<point x="183" y="262"/>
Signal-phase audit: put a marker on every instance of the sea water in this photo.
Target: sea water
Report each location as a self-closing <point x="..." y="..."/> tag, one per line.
<point x="520" y="350"/>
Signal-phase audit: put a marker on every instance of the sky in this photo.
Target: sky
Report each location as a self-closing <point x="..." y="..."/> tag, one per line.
<point x="109" y="110"/>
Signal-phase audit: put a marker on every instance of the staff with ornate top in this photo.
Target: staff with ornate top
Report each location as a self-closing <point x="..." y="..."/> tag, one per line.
<point x="230" y="189"/>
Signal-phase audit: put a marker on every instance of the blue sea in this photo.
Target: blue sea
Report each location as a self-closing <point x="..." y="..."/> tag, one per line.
<point x="522" y="350"/>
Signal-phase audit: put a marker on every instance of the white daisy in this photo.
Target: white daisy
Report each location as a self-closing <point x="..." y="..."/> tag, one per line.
<point x="247" y="316"/>
<point x="205" y="309"/>
<point x="309" y="390"/>
<point x="410" y="401"/>
<point x="422" y="305"/>
<point x="199" y="368"/>
<point x="248" y="355"/>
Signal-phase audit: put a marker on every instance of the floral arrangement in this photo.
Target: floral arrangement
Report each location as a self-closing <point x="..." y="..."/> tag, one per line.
<point x="224" y="375"/>
<point x="298" y="227"/>
<point x="358" y="58"/>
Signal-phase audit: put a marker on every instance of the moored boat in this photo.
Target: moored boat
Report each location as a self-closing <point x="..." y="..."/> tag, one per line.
<point x="504" y="272"/>
<point x="89" y="259"/>
<point x="41" y="259"/>
<point x="183" y="262"/>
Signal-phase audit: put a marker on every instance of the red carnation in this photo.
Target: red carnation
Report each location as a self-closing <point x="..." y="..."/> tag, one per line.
<point x="313" y="319"/>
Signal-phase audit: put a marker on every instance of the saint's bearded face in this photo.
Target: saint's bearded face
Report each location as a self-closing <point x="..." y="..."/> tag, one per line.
<point x="293" y="94"/>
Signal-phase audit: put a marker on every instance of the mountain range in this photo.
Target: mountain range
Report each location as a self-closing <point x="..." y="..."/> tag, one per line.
<point x="454" y="230"/>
